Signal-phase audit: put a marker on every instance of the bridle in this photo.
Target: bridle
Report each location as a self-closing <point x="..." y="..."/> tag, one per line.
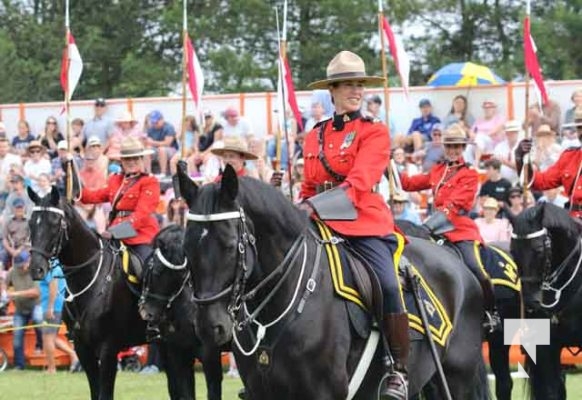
<point x="550" y="276"/>
<point x="63" y="236"/>
<point x="146" y="292"/>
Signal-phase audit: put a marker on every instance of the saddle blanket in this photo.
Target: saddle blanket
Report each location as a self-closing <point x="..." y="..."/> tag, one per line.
<point x="345" y="288"/>
<point x="501" y="268"/>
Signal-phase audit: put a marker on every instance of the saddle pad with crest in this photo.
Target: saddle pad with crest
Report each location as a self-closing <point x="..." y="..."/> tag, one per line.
<point x="501" y="268"/>
<point x="346" y="288"/>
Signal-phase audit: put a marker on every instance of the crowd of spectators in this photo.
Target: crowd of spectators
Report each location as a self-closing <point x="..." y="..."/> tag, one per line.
<point x="34" y="159"/>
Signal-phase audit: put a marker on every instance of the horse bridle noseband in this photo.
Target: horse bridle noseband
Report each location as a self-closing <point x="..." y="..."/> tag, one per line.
<point x="173" y="267"/>
<point x="550" y="276"/>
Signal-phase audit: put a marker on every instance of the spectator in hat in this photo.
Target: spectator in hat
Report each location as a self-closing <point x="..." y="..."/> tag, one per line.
<point x="125" y="125"/>
<point x="161" y="136"/>
<point x="95" y="149"/>
<point x="57" y="172"/>
<point x="17" y="191"/>
<point x="459" y="113"/>
<point x="6" y="160"/>
<point x="487" y="132"/>
<point x="100" y="125"/>
<point x="434" y="150"/>
<point x="570" y="134"/>
<point x="23" y="138"/>
<point x="515" y="203"/>
<point x="420" y="129"/>
<point x="235" y="125"/>
<point x="50" y="136"/>
<point x="16" y="233"/>
<point x="211" y="131"/>
<point x="402" y="211"/>
<point x="576" y="99"/>
<point x="504" y="151"/>
<point x="493" y="229"/>
<point x="546" y="150"/>
<point x="37" y="163"/>
<point x="25" y="294"/>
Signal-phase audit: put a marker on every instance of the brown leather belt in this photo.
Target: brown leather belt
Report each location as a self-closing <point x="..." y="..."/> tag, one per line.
<point x="576" y="207"/>
<point x="123" y="213"/>
<point x="325" y="186"/>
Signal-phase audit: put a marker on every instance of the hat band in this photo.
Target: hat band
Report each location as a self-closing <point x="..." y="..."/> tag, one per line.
<point x="133" y="152"/>
<point x="345" y="75"/>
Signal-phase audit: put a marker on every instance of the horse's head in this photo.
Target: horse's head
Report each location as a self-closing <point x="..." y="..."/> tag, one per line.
<point x="48" y="231"/>
<point x="543" y="236"/>
<point x="165" y="275"/>
<point x="219" y="244"/>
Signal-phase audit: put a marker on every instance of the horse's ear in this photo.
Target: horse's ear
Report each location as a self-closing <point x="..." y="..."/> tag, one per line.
<point x="188" y="189"/>
<point x="32" y="195"/>
<point x="55" y="196"/>
<point x="229" y="184"/>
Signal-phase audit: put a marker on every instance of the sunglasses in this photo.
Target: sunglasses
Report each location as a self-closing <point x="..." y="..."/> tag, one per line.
<point x="51" y="122"/>
<point x="515" y="196"/>
<point x="455" y="145"/>
<point x="34" y="151"/>
<point x="437" y="134"/>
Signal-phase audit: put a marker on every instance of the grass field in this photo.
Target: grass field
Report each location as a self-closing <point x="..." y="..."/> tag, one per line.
<point x="32" y="385"/>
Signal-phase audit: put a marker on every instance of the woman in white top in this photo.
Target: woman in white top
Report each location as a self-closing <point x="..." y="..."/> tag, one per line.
<point x="546" y="151"/>
<point x="37" y="163"/>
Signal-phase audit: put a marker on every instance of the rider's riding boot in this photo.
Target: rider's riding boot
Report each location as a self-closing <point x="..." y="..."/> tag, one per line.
<point x="395" y="329"/>
<point x="492" y="319"/>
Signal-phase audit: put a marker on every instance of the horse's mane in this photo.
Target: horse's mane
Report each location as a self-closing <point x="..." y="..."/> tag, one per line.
<point x="550" y="217"/>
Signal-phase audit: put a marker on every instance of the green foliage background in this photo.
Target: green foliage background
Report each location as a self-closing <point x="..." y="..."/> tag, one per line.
<point x="132" y="48"/>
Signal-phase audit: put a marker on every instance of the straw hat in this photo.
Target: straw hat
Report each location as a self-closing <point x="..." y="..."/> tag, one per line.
<point x="234" y="144"/>
<point x="490" y="202"/>
<point x="126" y="117"/>
<point x="545" y="130"/>
<point x="35" y="144"/>
<point x="512" y="126"/>
<point x="455" y="134"/>
<point x="133" y="147"/>
<point x="346" y="66"/>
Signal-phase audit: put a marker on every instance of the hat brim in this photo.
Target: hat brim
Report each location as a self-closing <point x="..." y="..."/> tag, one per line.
<point x="36" y="146"/>
<point x="246" y="155"/>
<point x="140" y="153"/>
<point x="367" y="80"/>
<point x="456" y="141"/>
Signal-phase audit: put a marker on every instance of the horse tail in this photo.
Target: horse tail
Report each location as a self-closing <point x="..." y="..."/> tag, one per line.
<point x="481" y="383"/>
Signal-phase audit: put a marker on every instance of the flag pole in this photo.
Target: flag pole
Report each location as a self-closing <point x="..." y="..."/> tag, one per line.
<point x="391" y="182"/>
<point x="526" y="119"/>
<point x="69" y="183"/>
<point x="282" y="55"/>
<point x="184" y="73"/>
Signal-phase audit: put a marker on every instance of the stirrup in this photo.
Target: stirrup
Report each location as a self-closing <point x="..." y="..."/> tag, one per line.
<point x="153" y="333"/>
<point x="492" y="321"/>
<point x="393" y="386"/>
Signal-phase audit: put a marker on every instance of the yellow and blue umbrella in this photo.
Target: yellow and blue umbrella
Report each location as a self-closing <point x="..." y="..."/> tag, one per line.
<point x="464" y="74"/>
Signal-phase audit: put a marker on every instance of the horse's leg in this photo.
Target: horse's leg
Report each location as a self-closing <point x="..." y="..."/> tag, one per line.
<point x="212" y="366"/>
<point x="179" y="370"/>
<point x="107" y="370"/>
<point x="499" y="359"/>
<point x="546" y="378"/>
<point x="90" y="365"/>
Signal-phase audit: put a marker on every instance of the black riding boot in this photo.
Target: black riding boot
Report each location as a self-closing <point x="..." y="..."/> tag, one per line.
<point x="395" y="384"/>
<point x="492" y="319"/>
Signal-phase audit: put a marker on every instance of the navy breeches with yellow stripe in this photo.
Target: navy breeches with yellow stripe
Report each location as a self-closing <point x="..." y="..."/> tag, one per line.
<point x="471" y="251"/>
<point x="379" y="253"/>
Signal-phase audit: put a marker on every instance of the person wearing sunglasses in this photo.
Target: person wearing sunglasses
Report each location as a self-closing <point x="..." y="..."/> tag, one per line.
<point x="37" y="164"/>
<point x="51" y="136"/>
<point x="454" y="185"/>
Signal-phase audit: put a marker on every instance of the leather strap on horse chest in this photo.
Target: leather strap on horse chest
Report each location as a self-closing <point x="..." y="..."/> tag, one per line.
<point x="338" y="177"/>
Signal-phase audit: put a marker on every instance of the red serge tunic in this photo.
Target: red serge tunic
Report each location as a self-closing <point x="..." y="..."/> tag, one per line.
<point x="359" y="151"/>
<point x="565" y="172"/>
<point x="454" y="189"/>
<point x="139" y="199"/>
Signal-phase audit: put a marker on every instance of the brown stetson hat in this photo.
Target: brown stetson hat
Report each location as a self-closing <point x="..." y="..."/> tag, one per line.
<point x="346" y="66"/>
<point x="133" y="147"/>
<point x="236" y="145"/>
<point x="455" y="134"/>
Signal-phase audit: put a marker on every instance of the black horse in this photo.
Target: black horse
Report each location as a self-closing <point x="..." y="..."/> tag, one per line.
<point x="101" y="312"/>
<point x="547" y="243"/>
<point x="507" y="302"/>
<point x="166" y="301"/>
<point x="255" y="263"/>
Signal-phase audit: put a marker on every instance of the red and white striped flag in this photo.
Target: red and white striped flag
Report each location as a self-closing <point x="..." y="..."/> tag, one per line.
<point x="195" y="76"/>
<point x="530" y="57"/>
<point x="285" y="86"/>
<point x="71" y="66"/>
<point x="399" y="55"/>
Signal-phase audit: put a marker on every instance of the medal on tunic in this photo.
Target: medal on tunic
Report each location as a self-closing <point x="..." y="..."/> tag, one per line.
<point x="348" y="140"/>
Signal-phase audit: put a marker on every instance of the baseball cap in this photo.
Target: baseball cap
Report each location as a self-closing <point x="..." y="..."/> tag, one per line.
<point x="155" y="116"/>
<point x="208" y="113"/>
<point x="437" y="127"/>
<point x="424" y="103"/>
<point x="94" y="141"/>
<point x="231" y="112"/>
<point x="17" y="202"/>
<point x="62" y="145"/>
<point x="375" y="99"/>
<point x="100" y="102"/>
<point x="21" y="258"/>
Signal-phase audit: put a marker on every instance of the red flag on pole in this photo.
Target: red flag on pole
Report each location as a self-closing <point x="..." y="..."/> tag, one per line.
<point x="195" y="76"/>
<point x="399" y="55"/>
<point x="289" y="90"/>
<point x="71" y="67"/>
<point x="531" y="60"/>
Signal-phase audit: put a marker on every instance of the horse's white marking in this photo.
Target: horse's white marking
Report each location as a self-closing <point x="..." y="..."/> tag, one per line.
<point x="204" y="233"/>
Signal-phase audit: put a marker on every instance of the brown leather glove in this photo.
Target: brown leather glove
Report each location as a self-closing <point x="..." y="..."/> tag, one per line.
<point x="523" y="148"/>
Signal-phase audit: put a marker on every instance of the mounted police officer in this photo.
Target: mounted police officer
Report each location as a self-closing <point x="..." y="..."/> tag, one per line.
<point x="134" y="197"/>
<point x="344" y="161"/>
<point x="454" y="184"/>
<point x="564" y="172"/>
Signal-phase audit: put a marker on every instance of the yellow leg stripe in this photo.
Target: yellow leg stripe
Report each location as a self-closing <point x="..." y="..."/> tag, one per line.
<point x="125" y="265"/>
<point x="396" y="260"/>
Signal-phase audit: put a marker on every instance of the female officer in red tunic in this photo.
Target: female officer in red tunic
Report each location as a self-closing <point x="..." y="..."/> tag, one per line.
<point x="344" y="160"/>
<point x="565" y="172"/>
<point x="454" y="184"/>
<point x="134" y="197"/>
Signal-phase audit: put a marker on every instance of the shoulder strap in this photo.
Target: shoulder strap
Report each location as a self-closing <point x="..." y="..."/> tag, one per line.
<point x="323" y="159"/>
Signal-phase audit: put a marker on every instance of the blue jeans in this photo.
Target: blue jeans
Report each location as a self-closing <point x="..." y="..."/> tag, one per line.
<point x="20" y="320"/>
